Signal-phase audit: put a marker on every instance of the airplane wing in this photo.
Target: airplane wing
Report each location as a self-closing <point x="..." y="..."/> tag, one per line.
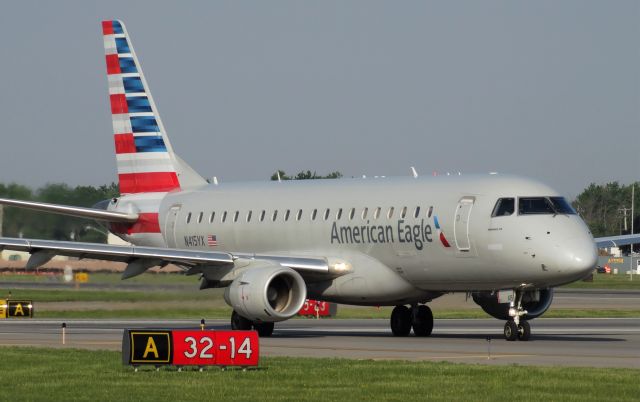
<point x="139" y="259"/>
<point x="616" y="241"/>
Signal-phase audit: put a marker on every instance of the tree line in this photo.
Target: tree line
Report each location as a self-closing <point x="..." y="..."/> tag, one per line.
<point x="602" y="206"/>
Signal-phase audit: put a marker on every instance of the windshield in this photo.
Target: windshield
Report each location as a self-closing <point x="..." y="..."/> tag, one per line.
<point x="562" y="205"/>
<point x="504" y="207"/>
<point x="544" y="205"/>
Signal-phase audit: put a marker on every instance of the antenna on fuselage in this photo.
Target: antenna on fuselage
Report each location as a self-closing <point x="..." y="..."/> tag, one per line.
<point x="414" y="173"/>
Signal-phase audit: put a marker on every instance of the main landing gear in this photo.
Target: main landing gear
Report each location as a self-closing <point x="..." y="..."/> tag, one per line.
<point x="418" y="317"/>
<point x="238" y="322"/>
<point x="517" y="327"/>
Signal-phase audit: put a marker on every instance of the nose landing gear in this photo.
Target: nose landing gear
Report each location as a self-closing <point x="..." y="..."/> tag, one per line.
<point x="517" y="327"/>
<point x="418" y="317"/>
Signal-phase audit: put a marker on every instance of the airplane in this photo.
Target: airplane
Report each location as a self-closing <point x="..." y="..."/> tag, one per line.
<point x="506" y="241"/>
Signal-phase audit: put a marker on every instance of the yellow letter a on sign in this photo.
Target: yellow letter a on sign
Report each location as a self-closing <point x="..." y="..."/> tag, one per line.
<point x="19" y="310"/>
<point x="151" y="347"/>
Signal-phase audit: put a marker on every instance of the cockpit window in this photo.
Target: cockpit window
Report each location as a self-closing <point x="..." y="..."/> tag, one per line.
<point x="534" y="205"/>
<point x="562" y="206"/>
<point x="544" y="205"/>
<point x="504" y="207"/>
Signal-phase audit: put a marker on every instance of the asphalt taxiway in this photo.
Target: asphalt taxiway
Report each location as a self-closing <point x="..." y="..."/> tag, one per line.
<point x="604" y="342"/>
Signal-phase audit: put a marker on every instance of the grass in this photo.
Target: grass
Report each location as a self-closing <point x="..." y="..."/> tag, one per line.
<point x="344" y="313"/>
<point x="608" y="281"/>
<point x="148" y="278"/>
<point x="600" y="281"/>
<point x="69" y="374"/>
<point x="87" y="295"/>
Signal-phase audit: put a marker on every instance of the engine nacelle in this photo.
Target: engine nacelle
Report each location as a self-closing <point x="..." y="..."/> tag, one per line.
<point x="536" y="302"/>
<point x="267" y="293"/>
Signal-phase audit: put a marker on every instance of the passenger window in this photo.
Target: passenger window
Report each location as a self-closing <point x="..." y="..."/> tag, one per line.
<point x="189" y="217"/>
<point x="299" y="215"/>
<point x="535" y="206"/>
<point x="417" y="213"/>
<point x="275" y="215"/>
<point x="376" y="213"/>
<point x="352" y="213"/>
<point x="326" y="214"/>
<point x="390" y="213"/>
<point x="339" y="214"/>
<point x="504" y="207"/>
<point x="200" y="215"/>
<point x="224" y="216"/>
<point x="403" y="213"/>
<point x="313" y="214"/>
<point x="262" y="214"/>
<point x="235" y="216"/>
<point x="364" y="213"/>
<point x="430" y="212"/>
<point x="212" y="217"/>
<point x="286" y="215"/>
<point x="249" y="216"/>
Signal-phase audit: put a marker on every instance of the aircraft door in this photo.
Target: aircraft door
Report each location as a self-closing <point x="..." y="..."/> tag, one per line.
<point x="461" y="226"/>
<point x="170" y="226"/>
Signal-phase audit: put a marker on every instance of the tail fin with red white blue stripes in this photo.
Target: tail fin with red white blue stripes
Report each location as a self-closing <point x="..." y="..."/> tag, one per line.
<point x="145" y="159"/>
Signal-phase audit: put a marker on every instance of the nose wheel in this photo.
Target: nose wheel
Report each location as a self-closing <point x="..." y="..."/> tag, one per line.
<point x="418" y="317"/>
<point x="517" y="327"/>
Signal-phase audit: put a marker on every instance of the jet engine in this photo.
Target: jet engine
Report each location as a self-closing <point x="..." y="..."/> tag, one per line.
<point x="267" y="293"/>
<point x="536" y="302"/>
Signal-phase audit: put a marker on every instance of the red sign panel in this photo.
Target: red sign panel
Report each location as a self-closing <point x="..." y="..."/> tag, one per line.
<point x="220" y="348"/>
<point x="315" y="308"/>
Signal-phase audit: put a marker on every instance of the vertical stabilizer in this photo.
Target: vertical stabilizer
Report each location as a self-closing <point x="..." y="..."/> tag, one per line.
<point x="145" y="159"/>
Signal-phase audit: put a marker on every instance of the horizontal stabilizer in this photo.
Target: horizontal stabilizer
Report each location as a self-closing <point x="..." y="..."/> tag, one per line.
<point x="81" y="212"/>
<point x="617" y="241"/>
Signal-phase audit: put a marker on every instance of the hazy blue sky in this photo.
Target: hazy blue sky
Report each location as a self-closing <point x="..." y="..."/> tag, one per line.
<point x="547" y="89"/>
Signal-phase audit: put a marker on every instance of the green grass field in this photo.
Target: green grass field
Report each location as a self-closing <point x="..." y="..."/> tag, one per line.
<point x="67" y="374"/>
<point x="157" y="303"/>
<point x="600" y="281"/>
<point x="608" y="281"/>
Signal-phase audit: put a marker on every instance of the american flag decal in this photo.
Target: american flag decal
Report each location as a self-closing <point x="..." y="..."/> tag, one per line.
<point x="212" y="240"/>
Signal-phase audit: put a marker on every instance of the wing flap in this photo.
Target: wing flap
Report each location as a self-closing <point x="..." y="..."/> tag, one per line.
<point x="117" y="253"/>
<point x="139" y="259"/>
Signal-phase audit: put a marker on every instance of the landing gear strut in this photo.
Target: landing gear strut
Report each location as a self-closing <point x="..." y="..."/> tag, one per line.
<point x="517" y="327"/>
<point x="418" y="317"/>
<point x="238" y="322"/>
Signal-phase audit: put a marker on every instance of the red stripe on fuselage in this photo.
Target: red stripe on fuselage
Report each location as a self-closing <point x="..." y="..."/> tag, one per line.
<point x="125" y="144"/>
<point x="148" y="182"/>
<point x="146" y="223"/>
<point x="113" y="64"/>
<point x="107" y="27"/>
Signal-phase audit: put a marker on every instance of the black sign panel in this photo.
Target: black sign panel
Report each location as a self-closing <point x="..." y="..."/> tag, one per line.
<point x="19" y="309"/>
<point x="152" y="346"/>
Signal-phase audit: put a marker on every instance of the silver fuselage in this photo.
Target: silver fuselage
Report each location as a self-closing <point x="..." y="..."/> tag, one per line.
<point x="392" y="254"/>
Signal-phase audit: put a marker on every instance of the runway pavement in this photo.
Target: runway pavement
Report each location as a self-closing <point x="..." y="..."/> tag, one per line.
<point x="606" y="342"/>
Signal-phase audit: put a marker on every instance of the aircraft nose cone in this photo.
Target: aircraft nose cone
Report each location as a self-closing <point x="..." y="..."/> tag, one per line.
<point x="579" y="257"/>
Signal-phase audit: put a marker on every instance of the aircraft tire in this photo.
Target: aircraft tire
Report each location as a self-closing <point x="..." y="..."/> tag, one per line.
<point x="510" y="331"/>
<point x="238" y="322"/>
<point x="264" y="329"/>
<point x="422" y="322"/>
<point x="524" y="331"/>
<point x="401" y="321"/>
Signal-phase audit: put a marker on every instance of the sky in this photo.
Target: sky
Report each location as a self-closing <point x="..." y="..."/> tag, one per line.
<point x="544" y="89"/>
